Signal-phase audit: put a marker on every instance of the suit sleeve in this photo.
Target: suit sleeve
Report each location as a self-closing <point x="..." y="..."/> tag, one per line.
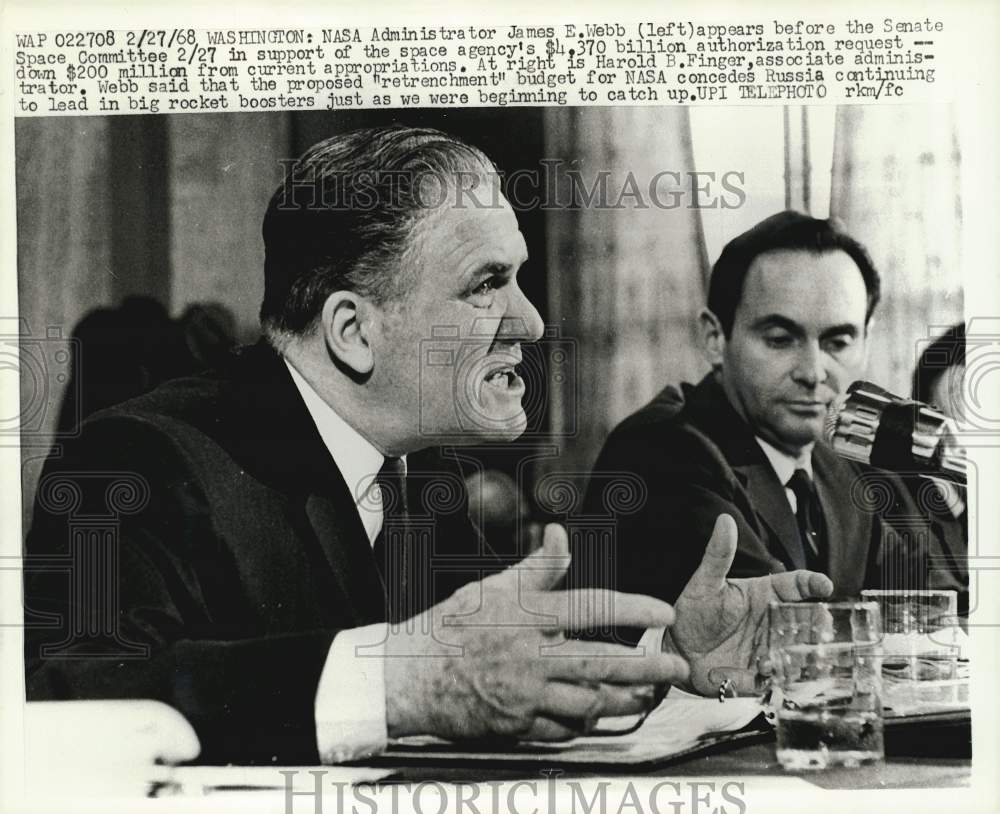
<point x="114" y="606"/>
<point x="654" y="543"/>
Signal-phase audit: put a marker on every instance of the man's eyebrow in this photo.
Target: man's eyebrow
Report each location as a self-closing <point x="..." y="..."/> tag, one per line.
<point x="490" y="268"/>
<point x="777" y="321"/>
<point x="848" y="328"/>
<point x="783" y="322"/>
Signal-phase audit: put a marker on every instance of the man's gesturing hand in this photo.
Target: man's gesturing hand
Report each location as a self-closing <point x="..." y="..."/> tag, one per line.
<point x="722" y="623"/>
<point x="493" y="659"/>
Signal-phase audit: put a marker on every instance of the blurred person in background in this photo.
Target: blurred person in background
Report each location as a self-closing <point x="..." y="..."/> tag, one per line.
<point x="938" y="379"/>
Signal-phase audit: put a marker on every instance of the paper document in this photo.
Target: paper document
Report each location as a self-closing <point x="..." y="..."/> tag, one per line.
<point x="682" y="723"/>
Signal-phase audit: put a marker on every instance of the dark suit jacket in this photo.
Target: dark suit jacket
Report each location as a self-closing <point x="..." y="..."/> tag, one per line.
<point x="199" y="546"/>
<point x="697" y="459"/>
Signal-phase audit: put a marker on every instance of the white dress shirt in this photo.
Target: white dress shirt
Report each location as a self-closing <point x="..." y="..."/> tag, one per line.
<point x="784" y="466"/>
<point x="350" y="698"/>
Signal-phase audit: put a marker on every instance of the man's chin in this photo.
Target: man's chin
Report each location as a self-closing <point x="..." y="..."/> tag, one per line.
<point x="802" y="434"/>
<point x="496" y="417"/>
<point x="478" y="426"/>
<point x="505" y="430"/>
<point x="794" y="432"/>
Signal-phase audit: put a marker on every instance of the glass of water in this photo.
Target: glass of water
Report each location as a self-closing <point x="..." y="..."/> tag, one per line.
<point x="826" y="683"/>
<point x="921" y="669"/>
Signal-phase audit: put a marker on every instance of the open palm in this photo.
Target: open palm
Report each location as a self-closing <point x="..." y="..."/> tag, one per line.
<point x="721" y="623"/>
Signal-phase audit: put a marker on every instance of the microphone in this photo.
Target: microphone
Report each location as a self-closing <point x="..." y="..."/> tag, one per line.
<point x="873" y="426"/>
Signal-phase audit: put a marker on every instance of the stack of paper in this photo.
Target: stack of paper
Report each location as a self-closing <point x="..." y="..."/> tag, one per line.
<point x="682" y="724"/>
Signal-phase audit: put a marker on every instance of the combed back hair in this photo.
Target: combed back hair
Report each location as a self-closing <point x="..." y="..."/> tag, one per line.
<point x="947" y="351"/>
<point x="785" y="230"/>
<point x="343" y="216"/>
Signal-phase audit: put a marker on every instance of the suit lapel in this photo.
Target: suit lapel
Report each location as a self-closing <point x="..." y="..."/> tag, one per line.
<point x="771" y="504"/>
<point x="709" y="409"/>
<point x="346" y="548"/>
<point x="279" y="445"/>
<point x="848" y="528"/>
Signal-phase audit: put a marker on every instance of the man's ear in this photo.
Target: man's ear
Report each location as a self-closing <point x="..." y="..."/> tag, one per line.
<point x="868" y="341"/>
<point x="346" y="332"/>
<point x="713" y="339"/>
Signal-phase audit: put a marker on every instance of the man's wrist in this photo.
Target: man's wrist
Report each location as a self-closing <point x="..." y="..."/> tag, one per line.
<point x="401" y="712"/>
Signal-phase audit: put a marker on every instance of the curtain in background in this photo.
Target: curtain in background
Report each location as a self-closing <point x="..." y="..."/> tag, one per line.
<point x="222" y="178"/>
<point x="65" y="262"/>
<point x="896" y="187"/>
<point x="94" y="227"/>
<point x="624" y="284"/>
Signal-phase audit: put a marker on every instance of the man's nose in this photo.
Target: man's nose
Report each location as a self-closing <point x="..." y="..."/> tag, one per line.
<point x="810" y="365"/>
<point x="522" y="322"/>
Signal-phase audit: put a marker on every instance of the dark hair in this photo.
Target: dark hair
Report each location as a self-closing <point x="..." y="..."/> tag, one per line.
<point x="785" y="230"/>
<point x="947" y="351"/>
<point x="343" y="216"/>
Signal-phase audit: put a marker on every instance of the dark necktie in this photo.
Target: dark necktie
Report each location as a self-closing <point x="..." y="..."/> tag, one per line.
<point x="809" y="517"/>
<point x="390" y="547"/>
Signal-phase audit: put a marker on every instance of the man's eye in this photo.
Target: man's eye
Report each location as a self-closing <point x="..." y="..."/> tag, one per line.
<point x="778" y="340"/>
<point x="836" y="344"/>
<point x="487" y="286"/>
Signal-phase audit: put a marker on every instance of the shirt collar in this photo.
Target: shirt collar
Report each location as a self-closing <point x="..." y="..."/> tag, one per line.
<point x="783" y="464"/>
<point x="355" y="456"/>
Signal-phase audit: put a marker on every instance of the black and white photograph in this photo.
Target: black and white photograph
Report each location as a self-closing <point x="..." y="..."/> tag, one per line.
<point x="530" y="456"/>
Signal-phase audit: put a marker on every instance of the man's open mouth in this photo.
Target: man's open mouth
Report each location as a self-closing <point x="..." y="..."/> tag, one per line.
<point x="504" y="377"/>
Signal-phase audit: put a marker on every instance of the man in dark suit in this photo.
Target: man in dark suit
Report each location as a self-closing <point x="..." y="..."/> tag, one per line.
<point x="786" y="330"/>
<point x="268" y="549"/>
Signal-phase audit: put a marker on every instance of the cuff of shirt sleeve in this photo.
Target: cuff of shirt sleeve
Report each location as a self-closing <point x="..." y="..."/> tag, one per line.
<point x="350" y="698"/>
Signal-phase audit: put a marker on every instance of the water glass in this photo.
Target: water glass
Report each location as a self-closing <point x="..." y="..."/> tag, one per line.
<point x="826" y="683"/>
<point x="921" y="669"/>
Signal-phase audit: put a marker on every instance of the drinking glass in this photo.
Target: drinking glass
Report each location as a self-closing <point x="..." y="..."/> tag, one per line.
<point x="826" y="683"/>
<point x="920" y="650"/>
